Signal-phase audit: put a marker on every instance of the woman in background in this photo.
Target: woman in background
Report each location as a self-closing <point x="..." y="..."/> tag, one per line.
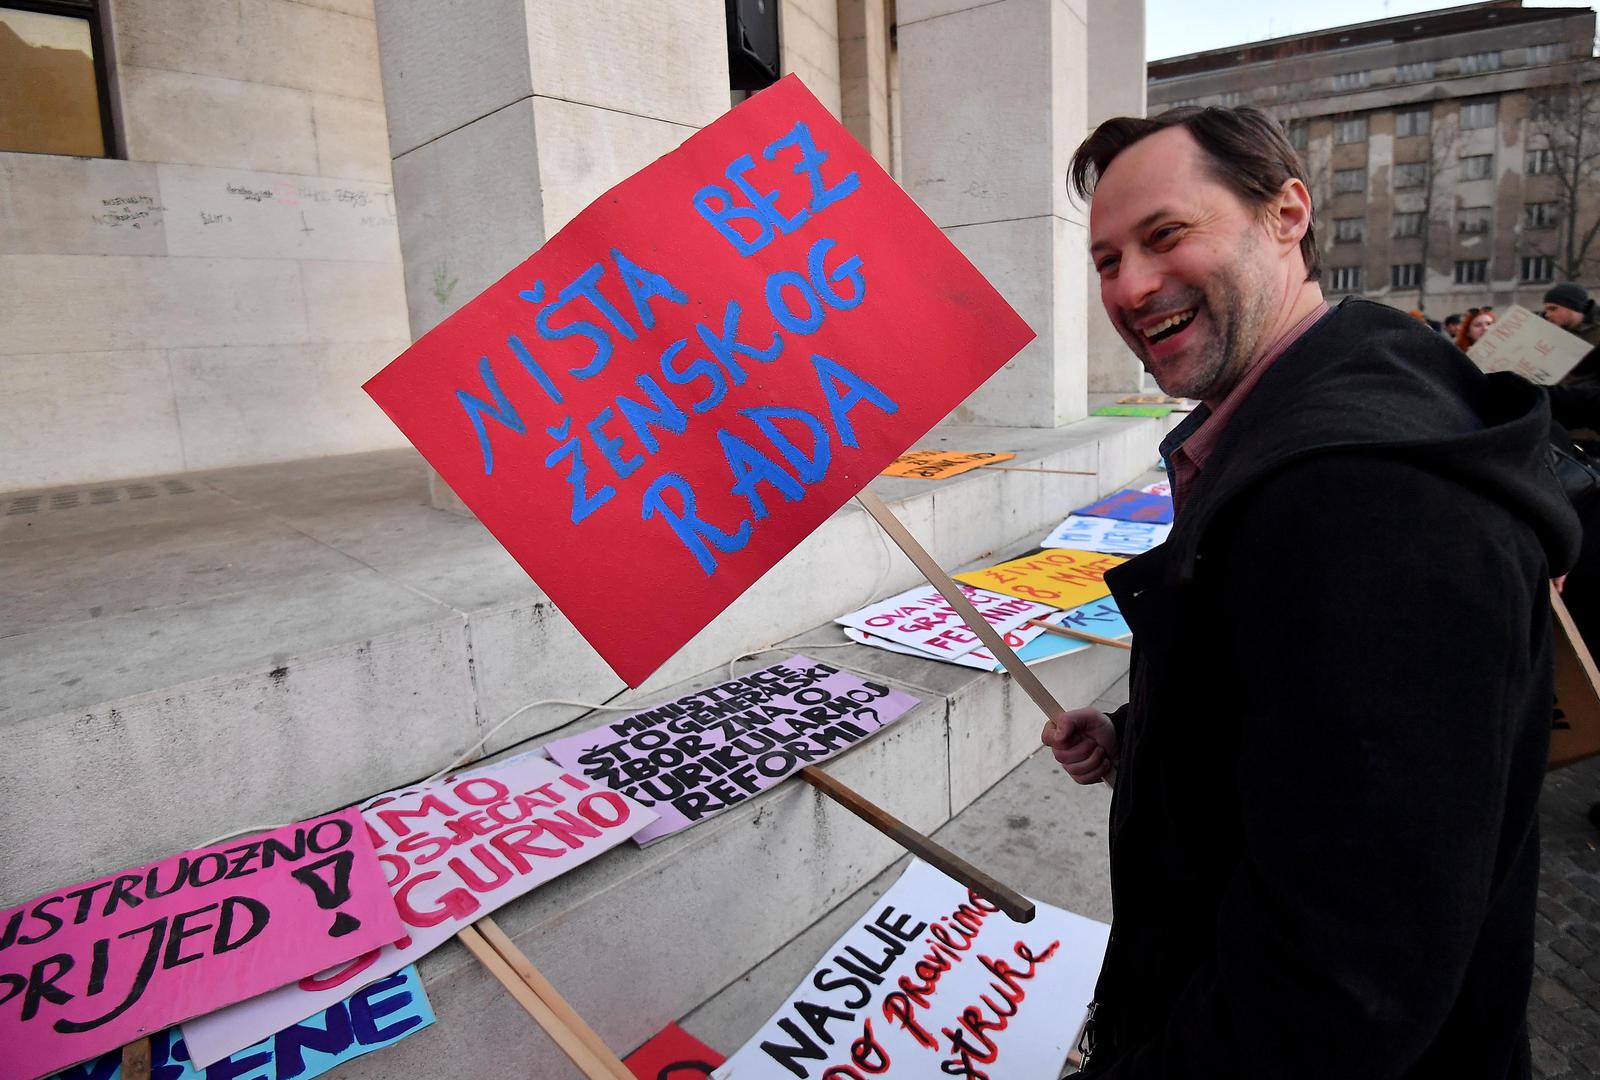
<point x="1474" y="325"/>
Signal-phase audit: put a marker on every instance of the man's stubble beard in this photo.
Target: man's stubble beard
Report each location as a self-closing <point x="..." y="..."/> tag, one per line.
<point x="1237" y="307"/>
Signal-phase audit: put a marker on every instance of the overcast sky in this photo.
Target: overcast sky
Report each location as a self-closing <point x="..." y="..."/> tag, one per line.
<point x="1176" y="27"/>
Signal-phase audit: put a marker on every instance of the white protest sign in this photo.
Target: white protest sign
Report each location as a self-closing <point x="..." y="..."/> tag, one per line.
<point x="980" y="658"/>
<point x="933" y="980"/>
<point x="705" y="752"/>
<point x="922" y="619"/>
<point x="1160" y="487"/>
<point x="1107" y="535"/>
<point x="452" y="852"/>
<point x="1521" y="341"/>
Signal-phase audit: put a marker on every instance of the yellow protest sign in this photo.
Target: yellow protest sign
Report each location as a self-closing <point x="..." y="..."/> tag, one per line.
<point x="1061" y="577"/>
<point x="938" y="464"/>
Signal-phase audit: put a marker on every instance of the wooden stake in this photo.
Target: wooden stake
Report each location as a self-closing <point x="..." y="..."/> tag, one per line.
<point x="1577" y="692"/>
<point x="947" y="587"/>
<point x="1026" y="468"/>
<point x="1081" y="635"/>
<point x="1016" y="906"/>
<point x="957" y="599"/>
<point x="136" y="1060"/>
<point x="535" y="1006"/>
<point x="501" y="942"/>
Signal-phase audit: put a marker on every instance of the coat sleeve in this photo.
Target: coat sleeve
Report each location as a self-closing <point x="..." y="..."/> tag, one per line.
<point x="1393" y="636"/>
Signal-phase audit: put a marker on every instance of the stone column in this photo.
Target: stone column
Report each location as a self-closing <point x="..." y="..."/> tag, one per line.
<point x="506" y="118"/>
<point x="1116" y="88"/>
<point x="864" y="75"/>
<point x="992" y="107"/>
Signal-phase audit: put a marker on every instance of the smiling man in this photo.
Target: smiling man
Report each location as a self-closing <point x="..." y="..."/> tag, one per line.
<point x="1324" y="849"/>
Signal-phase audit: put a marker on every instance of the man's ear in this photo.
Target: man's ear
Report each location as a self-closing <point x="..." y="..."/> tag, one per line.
<point x="1289" y="214"/>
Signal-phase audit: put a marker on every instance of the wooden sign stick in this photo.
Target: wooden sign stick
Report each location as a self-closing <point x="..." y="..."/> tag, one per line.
<point x="136" y="1060"/>
<point x="501" y="942"/>
<point x="1026" y="468"/>
<point x="1016" y="906"/>
<point x="1081" y="635"/>
<point x="942" y="581"/>
<point x="535" y="1006"/>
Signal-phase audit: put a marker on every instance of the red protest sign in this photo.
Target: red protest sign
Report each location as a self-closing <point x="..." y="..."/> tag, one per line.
<point x="698" y="370"/>
<point x="673" y="1054"/>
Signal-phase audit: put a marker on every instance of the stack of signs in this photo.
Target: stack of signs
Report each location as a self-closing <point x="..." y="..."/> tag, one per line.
<point x="1063" y="578"/>
<point x="940" y="464"/>
<point x="934" y="981"/>
<point x="96" y="966"/>
<point x="698" y="370"/>
<point x="454" y="851"/>
<point x="923" y="623"/>
<point x="704" y="752"/>
<point x="1131" y="505"/>
<point x="1521" y="341"/>
<point x="380" y="1015"/>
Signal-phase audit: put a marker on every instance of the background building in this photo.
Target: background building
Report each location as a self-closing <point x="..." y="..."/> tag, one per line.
<point x="1452" y="155"/>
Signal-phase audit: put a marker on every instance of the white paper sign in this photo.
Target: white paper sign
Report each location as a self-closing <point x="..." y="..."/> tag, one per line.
<point x="452" y="852"/>
<point x="922" y="619"/>
<point x="1521" y="341"/>
<point x="934" y="981"/>
<point x="1160" y="487"/>
<point x="981" y="659"/>
<point x="1107" y="535"/>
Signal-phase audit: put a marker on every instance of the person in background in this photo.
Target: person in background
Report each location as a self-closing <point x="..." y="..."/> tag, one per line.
<point x="1568" y="306"/>
<point x="1324" y="851"/>
<point x="1452" y="325"/>
<point x="1474" y="325"/>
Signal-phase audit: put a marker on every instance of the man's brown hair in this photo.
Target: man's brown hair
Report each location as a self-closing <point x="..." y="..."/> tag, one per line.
<point x="1245" y="150"/>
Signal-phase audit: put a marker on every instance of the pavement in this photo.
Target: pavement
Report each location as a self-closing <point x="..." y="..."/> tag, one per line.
<point x="1014" y="830"/>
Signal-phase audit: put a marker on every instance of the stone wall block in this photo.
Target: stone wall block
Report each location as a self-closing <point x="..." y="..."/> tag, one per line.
<point x="53" y="205"/>
<point x="188" y="119"/>
<point x="585" y="151"/>
<point x="352" y="138"/>
<point x="232" y="213"/>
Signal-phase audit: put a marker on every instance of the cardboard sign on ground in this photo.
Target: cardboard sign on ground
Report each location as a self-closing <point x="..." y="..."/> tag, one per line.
<point x="939" y="464"/>
<point x="98" y="965"/>
<point x="924" y="620"/>
<point x="1110" y="535"/>
<point x="453" y="852"/>
<point x="673" y="1054"/>
<point x="934" y="981"/>
<point x="1131" y="505"/>
<point x="1575" y="727"/>
<point x="374" y="1017"/>
<point x="1525" y="343"/>
<point x="698" y="370"/>
<point x="1061" y="577"/>
<point x="699" y="755"/>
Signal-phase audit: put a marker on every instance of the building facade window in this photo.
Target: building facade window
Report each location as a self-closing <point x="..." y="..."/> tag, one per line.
<point x="1298" y="132"/>
<point x="1352" y="80"/>
<point x="1405" y="275"/>
<point x="1479" y="114"/>
<point x="1472" y="271"/>
<point x="1408" y="223"/>
<point x="1475" y="63"/>
<point x="1538" y="268"/>
<point x="1547" y="105"/>
<point x="1421" y="71"/>
<point x="1345" y="278"/>
<point x="1346" y="181"/>
<point x="1541" y="161"/>
<point x="1409" y="174"/>
<point x="53" y="79"/>
<point x="1349" y="230"/>
<point x="1413" y="122"/>
<point x="1477" y="167"/>
<point x="1474" y="220"/>
<point x="1350" y="131"/>
<point x="1230" y="100"/>
<point x="1540" y="215"/>
<point x="1547" y="53"/>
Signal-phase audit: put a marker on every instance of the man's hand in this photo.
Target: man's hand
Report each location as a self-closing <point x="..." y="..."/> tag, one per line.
<point x="1084" y="743"/>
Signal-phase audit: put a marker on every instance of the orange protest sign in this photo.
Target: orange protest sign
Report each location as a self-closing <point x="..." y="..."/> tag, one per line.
<point x="938" y="464"/>
<point x="1061" y="577"/>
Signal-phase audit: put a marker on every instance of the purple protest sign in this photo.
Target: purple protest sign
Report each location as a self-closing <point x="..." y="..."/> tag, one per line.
<point x="702" y="753"/>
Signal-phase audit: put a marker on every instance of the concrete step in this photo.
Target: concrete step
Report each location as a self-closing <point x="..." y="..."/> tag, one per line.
<point x="256" y="645"/>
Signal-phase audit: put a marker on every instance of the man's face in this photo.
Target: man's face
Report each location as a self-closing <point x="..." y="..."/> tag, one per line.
<point x="1563" y="317"/>
<point x="1186" y="268"/>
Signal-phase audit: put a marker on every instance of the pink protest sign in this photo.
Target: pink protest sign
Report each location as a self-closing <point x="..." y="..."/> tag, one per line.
<point x="702" y="753"/>
<point x="96" y="966"/>
<point x="453" y="852"/>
